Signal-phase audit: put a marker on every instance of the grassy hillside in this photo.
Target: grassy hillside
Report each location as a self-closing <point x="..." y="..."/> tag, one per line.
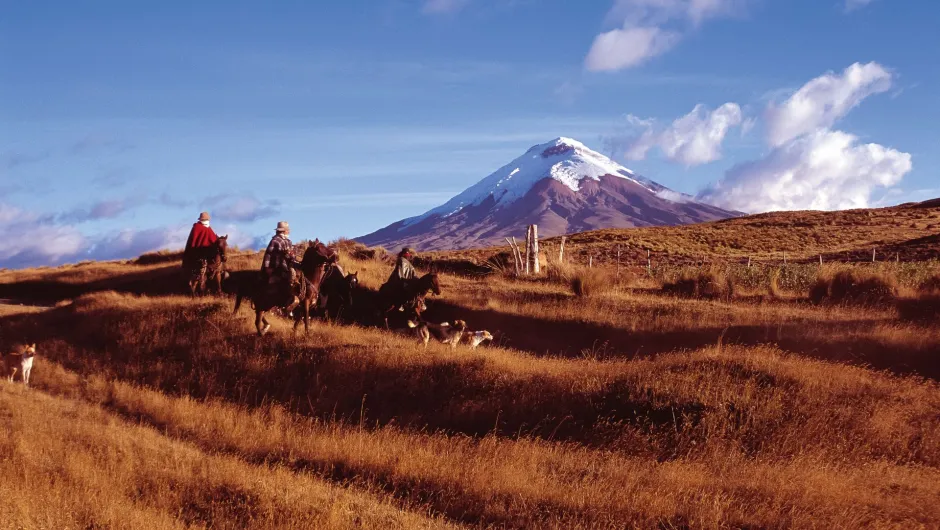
<point x="626" y="405"/>
<point x="908" y="232"/>
<point x="720" y="436"/>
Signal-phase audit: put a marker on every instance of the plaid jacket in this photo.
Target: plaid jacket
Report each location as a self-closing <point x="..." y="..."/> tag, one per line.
<point x="279" y="255"/>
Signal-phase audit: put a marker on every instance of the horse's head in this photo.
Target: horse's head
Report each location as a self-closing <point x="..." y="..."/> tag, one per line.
<point x="222" y="245"/>
<point x="432" y="283"/>
<point x="352" y="280"/>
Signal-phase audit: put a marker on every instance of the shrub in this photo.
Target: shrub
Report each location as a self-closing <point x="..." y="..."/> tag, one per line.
<point x="708" y="284"/>
<point x="854" y="286"/>
<point x="160" y="256"/>
<point x="591" y="282"/>
<point x="360" y="252"/>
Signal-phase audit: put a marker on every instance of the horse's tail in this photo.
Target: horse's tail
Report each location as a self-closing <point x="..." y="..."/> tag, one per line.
<point x="238" y="300"/>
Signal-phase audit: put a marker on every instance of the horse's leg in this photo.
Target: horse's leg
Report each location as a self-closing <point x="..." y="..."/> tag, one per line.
<point x="261" y="324"/>
<point x="306" y="316"/>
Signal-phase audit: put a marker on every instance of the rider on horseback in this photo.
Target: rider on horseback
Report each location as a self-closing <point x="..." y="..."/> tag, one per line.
<point x="200" y="238"/>
<point x="404" y="272"/>
<point x="277" y="268"/>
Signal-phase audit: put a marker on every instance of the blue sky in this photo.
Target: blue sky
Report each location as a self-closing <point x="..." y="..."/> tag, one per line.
<point x="120" y="121"/>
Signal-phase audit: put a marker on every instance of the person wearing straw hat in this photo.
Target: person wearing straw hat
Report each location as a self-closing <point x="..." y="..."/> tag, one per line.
<point x="201" y="236"/>
<point x="278" y="265"/>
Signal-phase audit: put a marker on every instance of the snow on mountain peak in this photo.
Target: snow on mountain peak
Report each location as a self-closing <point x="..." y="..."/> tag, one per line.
<point x="565" y="160"/>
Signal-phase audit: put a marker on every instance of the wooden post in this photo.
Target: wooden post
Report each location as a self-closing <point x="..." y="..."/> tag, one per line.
<point x="749" y="262"/>
<point x="820" y="260"/>
<point x="561" y="251"/>
<point x="872" y="255"/>
<point x="897" y="257"/>
<point x="649" y="263"/>
<point x="528" y="247"/>
<point x="590" y="262"/>
<point x="533" y="250"/>
<point x="784" y="259"/>
<point x="618" y="261"/>
<point x="536" y="268"/>
<point x="514" y="248"/>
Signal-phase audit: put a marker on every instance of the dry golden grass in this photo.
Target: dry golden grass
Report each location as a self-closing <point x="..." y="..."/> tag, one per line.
<point x="69" y="464"/>
<point x="724" y="436"/>
<point x="853" y="286"/>
<point x="909" y="232"/>
<point x="625" y="408"/>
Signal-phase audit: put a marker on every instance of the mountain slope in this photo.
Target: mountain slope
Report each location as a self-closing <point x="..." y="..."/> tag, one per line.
<point x="562" y="186"/>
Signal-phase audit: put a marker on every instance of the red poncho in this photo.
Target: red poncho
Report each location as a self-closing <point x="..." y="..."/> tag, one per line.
<point x="200" y="236"/>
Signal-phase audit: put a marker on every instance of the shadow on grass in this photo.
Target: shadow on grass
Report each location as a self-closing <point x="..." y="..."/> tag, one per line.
<point x="580" y="339"/>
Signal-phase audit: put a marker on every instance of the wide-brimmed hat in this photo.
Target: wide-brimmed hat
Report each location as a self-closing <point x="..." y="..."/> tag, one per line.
<point x="282" y="226"/>
<point x="204" y="216"/>
<point x="407" y="251"/>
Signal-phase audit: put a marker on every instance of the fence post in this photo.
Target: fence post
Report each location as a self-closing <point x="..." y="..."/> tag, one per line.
<point x="649" y="263"/>
<point x="872" y="255"/>
<point x="749" y="262"/>
<point x="897" y="257"/>
<point x="618" y="260"/>
<point x="514" y="249"/>
<point x="535" y="249"/>
<point x="528" y="246"/>
<point x="820" y="259"/>
<point x="784" y="259"/>
<point x="561" y="250"/>
<point x="590" y="262"/>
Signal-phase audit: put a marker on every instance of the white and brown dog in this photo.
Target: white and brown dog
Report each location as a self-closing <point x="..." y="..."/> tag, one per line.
<point x="475" y="338"/>
<point x="20" y="361"/>
<point x="445" y="333"/>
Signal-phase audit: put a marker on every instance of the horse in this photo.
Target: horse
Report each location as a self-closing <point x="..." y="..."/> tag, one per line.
<point x="410" y="297"/>
<point x="336" y="292"/>
<point x="307" y="289"/>
<point x="213" y="271"/>
<point x="318" y="261"/>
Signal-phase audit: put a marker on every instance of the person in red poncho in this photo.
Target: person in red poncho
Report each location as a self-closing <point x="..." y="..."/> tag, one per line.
<point x="200" y="237"/>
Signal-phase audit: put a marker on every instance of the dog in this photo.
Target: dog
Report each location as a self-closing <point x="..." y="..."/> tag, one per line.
<point x="475" y="338"/>
<point x="444" y="332"/>
<point x="20" y="361"/>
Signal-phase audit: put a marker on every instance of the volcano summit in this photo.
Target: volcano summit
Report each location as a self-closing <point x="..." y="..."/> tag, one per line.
<point x="562" y="186"/>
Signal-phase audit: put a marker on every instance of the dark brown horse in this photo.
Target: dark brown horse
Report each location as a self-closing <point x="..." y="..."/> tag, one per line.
<point x="337" y="292"/>
<point x="313" y="269"/>
<point x="410" y="297"/>
<point x="207" y="266"/>
<point x="317" y="262"/>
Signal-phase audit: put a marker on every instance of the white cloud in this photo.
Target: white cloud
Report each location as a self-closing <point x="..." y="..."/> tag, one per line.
<point x="823" y="101"/>
<point x="852" y="5"/>
<point x="437" y="7"/>
<point x="692" y="140"/>
<point x="240" y="207"/>
<point x="650" y="28"/>
<point x="626" y="47"/>
<point x="29" y="241"/>
<point x="824" y="170"/>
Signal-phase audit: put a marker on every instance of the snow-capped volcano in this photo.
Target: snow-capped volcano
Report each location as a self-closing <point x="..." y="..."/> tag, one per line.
<point x="563" y="186"/>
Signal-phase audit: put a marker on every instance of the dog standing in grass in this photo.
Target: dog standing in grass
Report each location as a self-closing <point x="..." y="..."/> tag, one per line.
<point x="444" y="332"/>
<point x="20" y="361"/>
<point x="475" y="338"/>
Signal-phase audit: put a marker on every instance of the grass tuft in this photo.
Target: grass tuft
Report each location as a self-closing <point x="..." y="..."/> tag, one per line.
<point x="854" y="286"/>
